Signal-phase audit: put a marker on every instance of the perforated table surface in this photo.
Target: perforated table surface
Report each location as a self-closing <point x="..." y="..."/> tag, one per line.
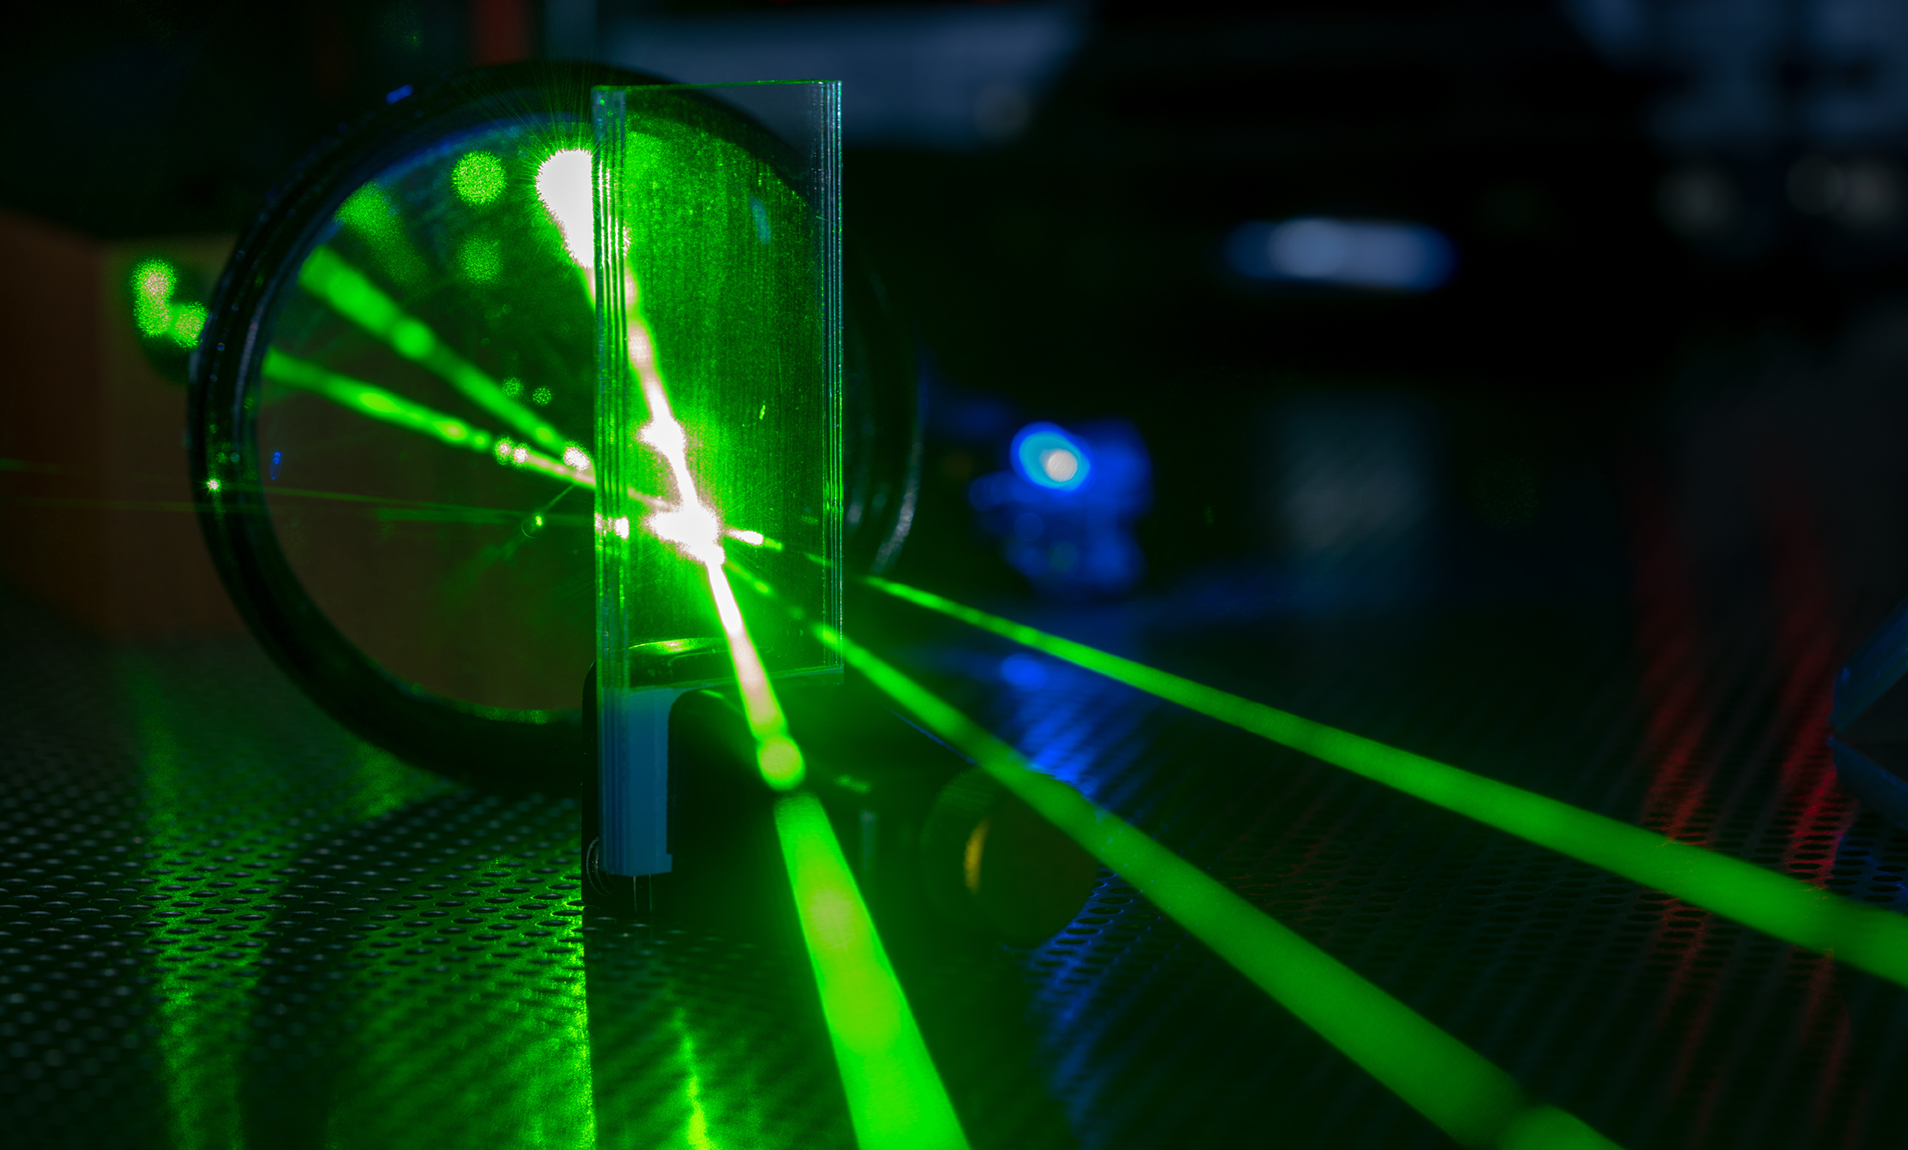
<point x="224" y="921"/>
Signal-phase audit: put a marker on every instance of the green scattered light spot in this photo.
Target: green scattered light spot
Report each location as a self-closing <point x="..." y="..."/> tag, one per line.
<point x="369" y="213"/>
<point x="895" y="1097"/>
<point x="1459" y="1090"/>
<point x="781" y="762"/>
<point x="1871" y="938"/>
<point x="513" y="387"/>
<point x="211" y="485"/>
<point x="481" y="257"/>
<point x="542" y="396"/>
<point x="152" y="284"/>
<point x="412" y="339"/>
<point x="478" y="178"/>
<point x="188" y="320"/>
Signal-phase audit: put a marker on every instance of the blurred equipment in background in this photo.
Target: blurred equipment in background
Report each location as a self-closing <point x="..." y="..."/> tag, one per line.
<point x="96" y="507"/>
<point x="942" y="76"/>
<point x="1782" y="120"/>
<point x="1065" y="509"/>
<point x="1353" y="498"/>
<point x="1384" y="255"/>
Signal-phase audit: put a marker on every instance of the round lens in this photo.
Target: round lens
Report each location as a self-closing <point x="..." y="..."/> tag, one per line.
<point x="393" y="423"/>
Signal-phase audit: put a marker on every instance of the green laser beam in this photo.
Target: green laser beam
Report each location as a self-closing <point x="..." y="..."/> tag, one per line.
<point x="377" y="402"/>
<point x="1870" y="938"/>
<point x="1459" y="1090"/>
<point x="895" y="1098"/>
<point x="327" y="275"/>
<point x="390" y="407"/>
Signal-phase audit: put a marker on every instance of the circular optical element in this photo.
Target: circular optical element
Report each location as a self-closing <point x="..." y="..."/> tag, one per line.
<point x="1046" y="456"/>
<point x="394" y="420"/>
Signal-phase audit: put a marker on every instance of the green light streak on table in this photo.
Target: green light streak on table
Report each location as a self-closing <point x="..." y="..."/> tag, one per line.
<point x="1870" y="938"/>
<point x="328" y="276"/>
<point x="205" y="1026"/>
<point x="895" y="1098"/>
<point x="1459" y="1090"/>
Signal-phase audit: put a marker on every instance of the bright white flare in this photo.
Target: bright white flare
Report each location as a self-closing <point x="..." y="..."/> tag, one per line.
<point x="694" y="528"/>
<point x="563" y="184"/>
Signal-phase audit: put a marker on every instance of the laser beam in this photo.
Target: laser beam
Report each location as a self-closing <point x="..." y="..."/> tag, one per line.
<point x="327" y="275"/>
<point x="1459" y="1090"/>
<point x="895" y="1097"/>
<point x="896" y="1100"/>
<point x="389" y="407"/>
<point x="1870" y="938"/>
<point x="696" y="529"/>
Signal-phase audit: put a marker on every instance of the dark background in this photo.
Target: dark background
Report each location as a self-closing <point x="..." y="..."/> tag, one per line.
<point x="1073" y="265"/>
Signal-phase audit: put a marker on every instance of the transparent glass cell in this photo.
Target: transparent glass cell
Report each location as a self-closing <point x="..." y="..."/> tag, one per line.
<point x="718" y="449"/>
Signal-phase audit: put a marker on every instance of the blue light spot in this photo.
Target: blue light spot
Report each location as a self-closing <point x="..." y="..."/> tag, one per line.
<point x="277" y="458"/>
<point x="1046" y="456"/>
<point x="759" y="210"/>
<point x="1024" y="671"/>
<point x="1350" y="253"/>
<point x="396" y="94"/>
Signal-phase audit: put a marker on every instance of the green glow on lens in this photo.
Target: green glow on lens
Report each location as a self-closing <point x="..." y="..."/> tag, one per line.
<point x="895" y="1097"/>
<point x="327" y="276"/>
<point x="478" y="178"/>
<point x="152" y="284"/>
<point x="188" y="320"/>
<point x="1455" y="1087"/>
<point x="481" y="258"/>
<point x="390" y="407"/>
<point x="370" y="214"/>
<point x="1871" y="938"/>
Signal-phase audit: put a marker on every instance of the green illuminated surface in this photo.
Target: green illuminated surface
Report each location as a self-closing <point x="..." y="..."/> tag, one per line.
<point x="192" y="794"/>
<point x="1871" y="938"/>
<point x="895" y="1098"/>
<point x="1460" y="1091"/>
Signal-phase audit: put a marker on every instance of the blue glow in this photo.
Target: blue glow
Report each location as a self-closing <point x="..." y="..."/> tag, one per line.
<point x="396" y="94"/>
<point x="1046" y="456"/>
<point x="1350" y="253"/>
<point x="1024" y="671"/>
<point x="278" y="457"/>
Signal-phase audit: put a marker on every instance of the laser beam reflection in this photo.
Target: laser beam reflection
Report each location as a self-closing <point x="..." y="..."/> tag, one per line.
<point x="1459" y="1090"/>
<point x="896" y="1100"/>
<point x="694" y="527"/>
<point x="327" y="275"/>
<point x="1871" y="938"/>
<point x="390" y="407"/>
